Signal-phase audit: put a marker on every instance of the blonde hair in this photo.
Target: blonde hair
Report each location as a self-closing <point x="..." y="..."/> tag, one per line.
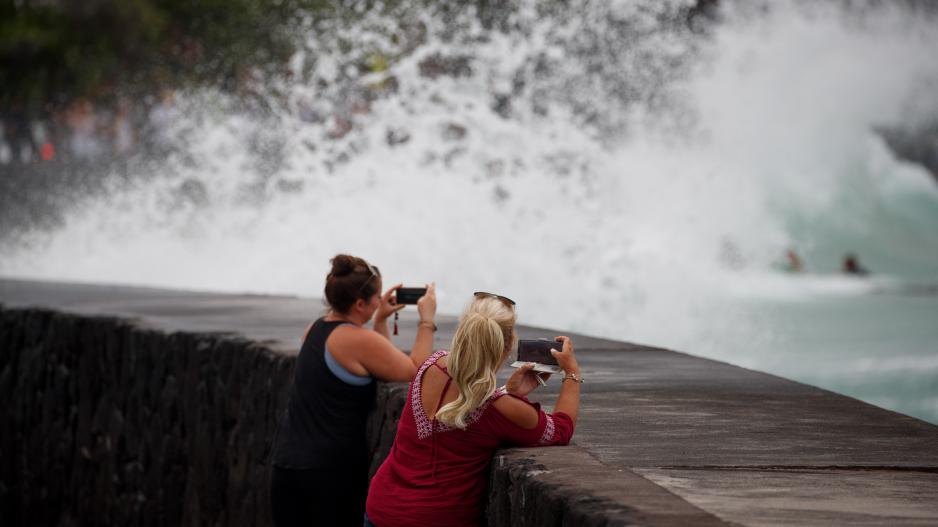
<point x="482" y="340"/>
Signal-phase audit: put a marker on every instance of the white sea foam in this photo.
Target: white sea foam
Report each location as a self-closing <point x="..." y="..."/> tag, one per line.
<point x="632" y="201"/>
<point x="897" y="364"/>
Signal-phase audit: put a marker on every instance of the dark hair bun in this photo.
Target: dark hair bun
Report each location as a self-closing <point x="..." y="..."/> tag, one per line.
<point x="343" y="265"/>
<point x="351" y="278"/>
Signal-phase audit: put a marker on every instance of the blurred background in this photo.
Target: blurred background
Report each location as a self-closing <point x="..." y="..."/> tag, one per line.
<point x="755" y="182"/>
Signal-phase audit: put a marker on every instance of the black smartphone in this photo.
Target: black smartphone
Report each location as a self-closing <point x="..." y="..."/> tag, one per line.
<point x="538" y="351"/>
<point x="410" y="295"/>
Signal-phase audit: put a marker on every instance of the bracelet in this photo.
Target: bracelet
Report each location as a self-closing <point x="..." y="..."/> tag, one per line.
<point x="428" y="324"/>
<point x="572" y="377"/>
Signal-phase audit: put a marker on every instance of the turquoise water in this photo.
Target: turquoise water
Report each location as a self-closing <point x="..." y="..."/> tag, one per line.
<point x="879" y="347"/>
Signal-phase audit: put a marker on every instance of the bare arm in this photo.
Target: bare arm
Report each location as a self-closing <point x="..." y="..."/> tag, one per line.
<point x="423" y="344"/>
<point x="558" y="427"/>
<point x="569" y="400"/>
<point x="381" y="328"/>
<point x="365" y="352"/>
<point x="523" y="381"/>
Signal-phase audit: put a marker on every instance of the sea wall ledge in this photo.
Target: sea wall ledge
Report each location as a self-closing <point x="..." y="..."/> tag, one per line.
<point x="108" y="423"/>
<point x="132" y="406"/>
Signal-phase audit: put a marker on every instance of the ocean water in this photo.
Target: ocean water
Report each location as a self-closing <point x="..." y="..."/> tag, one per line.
<point x="614" y="169"/>
<point x="880" y="349"/>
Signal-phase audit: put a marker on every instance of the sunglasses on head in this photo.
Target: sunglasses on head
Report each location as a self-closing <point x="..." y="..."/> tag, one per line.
<point x="373" y="269"/>
<point x="505" y="299"/>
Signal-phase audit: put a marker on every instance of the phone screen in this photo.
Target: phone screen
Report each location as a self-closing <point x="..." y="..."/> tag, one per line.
<point x="410" y="295"/>
<point x="537" y="351"/>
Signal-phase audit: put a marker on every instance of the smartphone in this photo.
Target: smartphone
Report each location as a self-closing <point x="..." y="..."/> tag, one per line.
<point x="410" y="295"/>
<point x="538" y="352"/>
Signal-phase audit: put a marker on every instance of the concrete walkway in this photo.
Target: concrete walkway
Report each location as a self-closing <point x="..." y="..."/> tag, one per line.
<point x="664" y="438"/>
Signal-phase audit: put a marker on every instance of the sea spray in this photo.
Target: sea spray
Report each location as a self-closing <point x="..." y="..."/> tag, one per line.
<point x="615" y="169"/>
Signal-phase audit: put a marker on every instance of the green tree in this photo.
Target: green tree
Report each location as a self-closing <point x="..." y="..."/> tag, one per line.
<point x="52" y="51"/>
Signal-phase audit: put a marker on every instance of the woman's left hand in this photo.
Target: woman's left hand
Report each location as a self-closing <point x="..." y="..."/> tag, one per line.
<point x="386" y="308"/>
<point x="524" y="380"/>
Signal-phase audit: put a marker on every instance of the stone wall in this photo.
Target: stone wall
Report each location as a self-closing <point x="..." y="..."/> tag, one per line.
<point x="107" y="423"/>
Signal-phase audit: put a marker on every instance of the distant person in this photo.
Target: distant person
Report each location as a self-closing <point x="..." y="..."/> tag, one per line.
<point x="18" y="134"/>
<point x="793" y="262"/>
<point x="82" y="120"/>
<point x="6" y="153"/>
<point x="852" y="266"/>
<point x="456" y="418"/>
<point x="123" y="136"/>
<point x="320" y="458"/>
<point x="163" y="118"/>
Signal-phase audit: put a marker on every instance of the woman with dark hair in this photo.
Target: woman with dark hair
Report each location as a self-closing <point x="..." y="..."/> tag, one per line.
<point x="320" y="463"/>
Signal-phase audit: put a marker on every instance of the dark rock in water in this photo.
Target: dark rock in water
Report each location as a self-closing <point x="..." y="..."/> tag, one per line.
<point x="290" y="186"/>
<point x="452" y="155"/>
<point x="501" y="104"/>
<point x="501" y="194"/>
<point x="397" y="136"/>
<point x="454" y="132"/>
<point x="438" y="65"/>
<point x="916" y="146"/>
<point x="495" y="169"/>
<point x="193" y="192"/>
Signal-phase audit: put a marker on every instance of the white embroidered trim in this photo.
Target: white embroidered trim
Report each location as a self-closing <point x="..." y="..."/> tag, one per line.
<point x="548" y="434"/>
<point x="426" y="427"/>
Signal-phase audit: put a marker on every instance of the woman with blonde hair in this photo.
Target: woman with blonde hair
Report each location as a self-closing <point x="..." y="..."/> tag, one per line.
<point x="456" y="418"/>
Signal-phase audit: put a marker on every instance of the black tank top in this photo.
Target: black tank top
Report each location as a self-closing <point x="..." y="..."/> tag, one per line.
<point x="324" y="426"/>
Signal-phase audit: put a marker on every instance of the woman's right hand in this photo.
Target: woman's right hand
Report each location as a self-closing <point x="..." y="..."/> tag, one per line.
<point x="386" y="308"/>
<point x="566" y="358"/>
<point x="426" y="305"/>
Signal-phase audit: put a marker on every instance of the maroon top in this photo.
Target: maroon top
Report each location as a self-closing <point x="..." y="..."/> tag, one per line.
<point x="437" y="475"/>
